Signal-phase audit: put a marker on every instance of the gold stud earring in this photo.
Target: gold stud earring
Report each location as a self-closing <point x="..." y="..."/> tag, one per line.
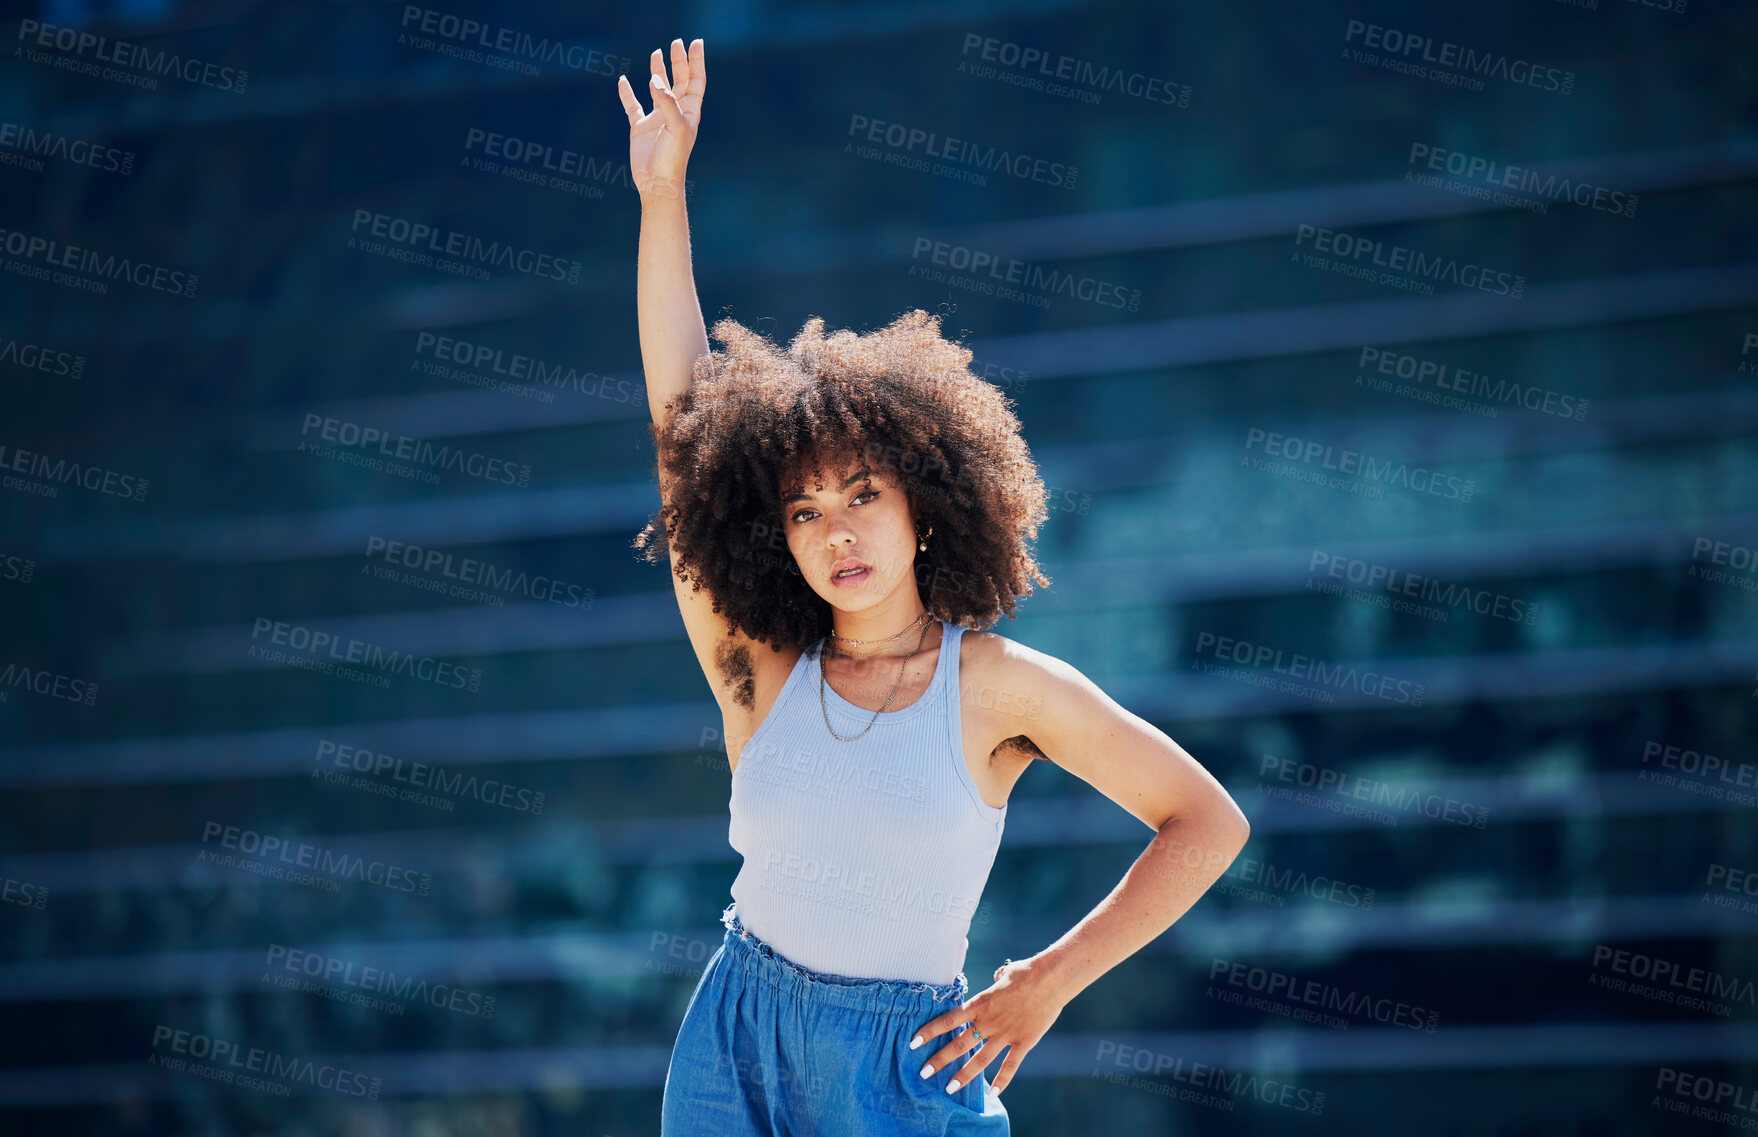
<point x="922" y="545"/>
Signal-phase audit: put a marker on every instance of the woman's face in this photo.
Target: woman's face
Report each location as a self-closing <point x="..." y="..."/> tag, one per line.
<point x="851" y="515"/>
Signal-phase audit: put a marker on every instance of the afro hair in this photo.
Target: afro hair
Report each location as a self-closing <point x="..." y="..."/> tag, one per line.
<point x="904" y="397"/>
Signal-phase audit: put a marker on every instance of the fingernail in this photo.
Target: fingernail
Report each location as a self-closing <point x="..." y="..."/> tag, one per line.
<point x="926" y="1070"/>
<point x="915" y="1042"/>
<point x="952" y="1085"/>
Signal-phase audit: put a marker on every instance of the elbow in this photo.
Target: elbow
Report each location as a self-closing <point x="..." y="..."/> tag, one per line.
<point x="1238" y="823"/>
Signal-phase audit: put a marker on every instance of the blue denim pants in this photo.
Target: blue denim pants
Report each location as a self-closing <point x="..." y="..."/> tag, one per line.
<point x="771" y="1049"/>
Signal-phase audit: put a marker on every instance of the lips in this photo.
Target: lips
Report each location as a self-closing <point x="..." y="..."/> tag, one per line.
<point x="854" y="570"/>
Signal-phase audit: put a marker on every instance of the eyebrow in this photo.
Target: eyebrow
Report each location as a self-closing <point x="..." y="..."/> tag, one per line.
<point x="859" y="475"/>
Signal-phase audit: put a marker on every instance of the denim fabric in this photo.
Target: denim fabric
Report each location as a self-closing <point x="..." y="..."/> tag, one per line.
<point x="771" y="1049"/>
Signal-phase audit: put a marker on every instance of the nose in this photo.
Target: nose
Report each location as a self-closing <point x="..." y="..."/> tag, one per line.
<point x="840" y="535"/>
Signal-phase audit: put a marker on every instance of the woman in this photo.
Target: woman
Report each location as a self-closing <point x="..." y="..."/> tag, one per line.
<point x="837" y="516"/>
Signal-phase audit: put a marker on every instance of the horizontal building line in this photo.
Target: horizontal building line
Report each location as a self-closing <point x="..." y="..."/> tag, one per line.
<point x="575" y="511"/>
<point x="1199" y="223"/>
<point x="1304" y="931"/>
<point x="1290" y="1054"/>
<point x="648" y="728"/>
<point x="1032" y="822"/>
<point x="1192" y="340"/>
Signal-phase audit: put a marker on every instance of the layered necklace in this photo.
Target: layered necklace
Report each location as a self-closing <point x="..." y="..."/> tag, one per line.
<point x="924" y="619"/>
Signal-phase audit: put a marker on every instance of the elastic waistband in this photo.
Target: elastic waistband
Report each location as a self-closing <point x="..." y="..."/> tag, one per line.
<point x="759" y="960"/>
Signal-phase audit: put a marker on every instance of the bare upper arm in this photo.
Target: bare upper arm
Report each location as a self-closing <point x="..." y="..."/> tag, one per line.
<point x="1083" y="730"/>
<point x="744" y="675"/>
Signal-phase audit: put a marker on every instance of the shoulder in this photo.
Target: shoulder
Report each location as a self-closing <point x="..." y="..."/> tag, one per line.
<point x="1018" y="689"/>
<point x="994" y="658"/>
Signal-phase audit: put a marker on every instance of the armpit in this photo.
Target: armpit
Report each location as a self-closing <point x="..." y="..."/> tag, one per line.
<point x="737" y="674"/>
<point x="1019" y="744"/>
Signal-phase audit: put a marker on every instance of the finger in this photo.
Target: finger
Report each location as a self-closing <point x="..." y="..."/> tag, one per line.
<point x="967" y="1073"/>
<point x="935" y="1027"/>
<point x="667" y="105"/>
<point x="943" y="1022"/>
<point x="962" y="1043"/>
<point x="680" y="67"/>
<point x="698" y="69"/>
<point x="631" y="105"/>
<point x="657" y="62"/>
<point x="1005" y="1074"/>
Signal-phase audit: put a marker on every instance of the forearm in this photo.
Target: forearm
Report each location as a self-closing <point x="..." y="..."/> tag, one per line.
<point x="1183" y="860"/>
<point x="670" y="317"/>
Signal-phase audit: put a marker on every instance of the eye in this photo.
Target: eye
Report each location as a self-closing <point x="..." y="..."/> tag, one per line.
<point x="857" y="498"/>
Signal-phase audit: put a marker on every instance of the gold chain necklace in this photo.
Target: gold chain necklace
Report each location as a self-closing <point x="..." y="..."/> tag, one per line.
<point x="920" y="616"/>
<point x="823" y="706"/>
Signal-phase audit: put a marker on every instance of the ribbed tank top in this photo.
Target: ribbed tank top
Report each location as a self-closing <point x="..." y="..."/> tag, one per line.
<point x="863" y="859"/>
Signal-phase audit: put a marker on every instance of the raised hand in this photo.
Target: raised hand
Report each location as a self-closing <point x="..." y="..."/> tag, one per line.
<point x="660" y="140"/>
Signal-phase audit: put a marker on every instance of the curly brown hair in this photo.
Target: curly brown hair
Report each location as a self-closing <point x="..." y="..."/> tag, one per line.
<point x="755" y="417"/>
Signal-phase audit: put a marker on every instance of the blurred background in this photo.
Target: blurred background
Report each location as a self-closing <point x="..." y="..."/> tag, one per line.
<point x="1392" y="370"/>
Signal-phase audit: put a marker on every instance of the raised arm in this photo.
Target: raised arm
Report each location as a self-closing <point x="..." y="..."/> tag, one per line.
<point x="672" y="332"/>
<point x="743" y="674"/>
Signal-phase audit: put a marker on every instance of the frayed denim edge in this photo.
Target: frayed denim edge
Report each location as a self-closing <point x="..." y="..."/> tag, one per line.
<point x="958" y="989"/>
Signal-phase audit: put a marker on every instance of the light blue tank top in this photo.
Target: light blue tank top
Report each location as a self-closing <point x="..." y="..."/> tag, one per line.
<point x="867" y="858"/>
